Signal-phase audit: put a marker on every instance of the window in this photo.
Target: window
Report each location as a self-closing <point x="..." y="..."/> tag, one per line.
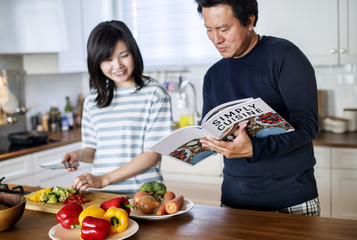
<point x="168" y="32"/>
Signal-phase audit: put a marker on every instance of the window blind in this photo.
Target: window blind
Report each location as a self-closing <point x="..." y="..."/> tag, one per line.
<point x="168" y="32"/>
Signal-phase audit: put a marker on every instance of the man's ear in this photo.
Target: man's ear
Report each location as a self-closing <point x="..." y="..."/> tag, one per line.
<point x="251" y="20"/>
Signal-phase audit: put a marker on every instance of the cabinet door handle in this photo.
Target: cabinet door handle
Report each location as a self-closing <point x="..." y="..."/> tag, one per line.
<point x="343" y="50"/>
<point x="333" y="51"/>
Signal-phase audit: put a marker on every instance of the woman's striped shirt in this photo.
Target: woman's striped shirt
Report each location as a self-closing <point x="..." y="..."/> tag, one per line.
<point x="125" y="129"/>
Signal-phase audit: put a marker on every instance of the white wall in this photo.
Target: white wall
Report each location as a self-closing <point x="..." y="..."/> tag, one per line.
<point x="43" y="91"/>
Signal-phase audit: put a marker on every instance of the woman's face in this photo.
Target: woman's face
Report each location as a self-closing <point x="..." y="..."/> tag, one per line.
<point x="119" y="67"/>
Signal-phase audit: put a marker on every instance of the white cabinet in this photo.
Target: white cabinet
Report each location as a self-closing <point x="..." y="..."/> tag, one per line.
<point x="200" y="183"/>
<point x="81" y="17"/>
<point x="336" y="176"/>
<point x="344" y="183"/>
<point x="48" y="178"/>
<point x="323" y="178"/>
<point x="17" y="170"/>
<point x="24" y="170"/>
<point x="323" y="29"/>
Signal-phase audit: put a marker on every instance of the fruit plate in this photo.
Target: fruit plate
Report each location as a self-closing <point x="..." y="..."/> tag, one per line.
<point x="60" y="233"/>
<point x="136" y="213"/>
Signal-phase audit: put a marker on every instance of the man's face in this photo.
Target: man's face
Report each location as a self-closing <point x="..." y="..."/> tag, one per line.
<point x="225" y="31"/>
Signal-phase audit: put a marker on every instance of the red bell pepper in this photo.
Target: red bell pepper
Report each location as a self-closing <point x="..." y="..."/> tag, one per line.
<point x="68" y="214"/>
<point x="118" y="202"/>
<point x="94" y="228"/>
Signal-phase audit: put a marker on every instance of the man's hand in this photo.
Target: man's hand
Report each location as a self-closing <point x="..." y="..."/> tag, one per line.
<point x="240" y="147"/>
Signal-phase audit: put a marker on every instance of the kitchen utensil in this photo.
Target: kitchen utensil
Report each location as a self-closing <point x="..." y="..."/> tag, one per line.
<point x="59" y="166"/>
<point x="28" y="138"/>
<point x="59" y="232"/>
<point x="96" y="198"/>
<point x="11" y="215"/>
<point x="351" y="115"/>
<point x="136" y="213"/>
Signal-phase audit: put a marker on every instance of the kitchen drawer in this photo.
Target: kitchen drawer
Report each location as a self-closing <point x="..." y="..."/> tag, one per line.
<point x="211" y="166"/>
<point x="344" y="158"/>
<point x="16" y="168"/>
<point x="200" y="189"/>
<point x="323" y="157"/>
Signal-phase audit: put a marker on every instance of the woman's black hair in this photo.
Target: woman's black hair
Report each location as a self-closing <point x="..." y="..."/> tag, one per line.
<point x="242" y="9"/>
<point x="100" y="47"/>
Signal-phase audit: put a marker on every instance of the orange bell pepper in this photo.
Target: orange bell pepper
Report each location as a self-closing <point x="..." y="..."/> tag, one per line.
<point x="118" y="218"/>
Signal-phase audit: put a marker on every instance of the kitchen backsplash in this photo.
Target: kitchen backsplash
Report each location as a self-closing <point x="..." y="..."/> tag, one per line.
<point x="339" y="85"/>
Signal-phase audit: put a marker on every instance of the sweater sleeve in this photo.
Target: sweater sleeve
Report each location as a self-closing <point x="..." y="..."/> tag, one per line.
<point x="297" y="86"/>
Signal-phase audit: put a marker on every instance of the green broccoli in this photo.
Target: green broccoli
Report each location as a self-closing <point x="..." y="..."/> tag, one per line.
<point x="55" y="189"/>
<point x="62" y="196"/>
<point x="156" y="189"/>
<point x="72" y="190"/>
<point x="44" y="197"/>
<point x="52" y="198"/>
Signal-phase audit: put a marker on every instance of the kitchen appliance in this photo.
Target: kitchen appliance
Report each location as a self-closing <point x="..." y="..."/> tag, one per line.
<point x="4" y="188"/>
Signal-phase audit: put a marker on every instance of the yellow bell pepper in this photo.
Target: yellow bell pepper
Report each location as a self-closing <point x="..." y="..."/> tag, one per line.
<point x="92" y="210"/>
<point x="118" y="217"/>
<point x="36" y="195"/>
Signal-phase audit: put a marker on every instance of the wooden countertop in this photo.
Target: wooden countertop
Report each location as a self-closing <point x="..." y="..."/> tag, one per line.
<point x="345" y="140"/>
<point x="206" y="223"/>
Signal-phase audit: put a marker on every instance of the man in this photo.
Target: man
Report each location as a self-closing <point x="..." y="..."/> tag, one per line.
<point x="273" y="173"/>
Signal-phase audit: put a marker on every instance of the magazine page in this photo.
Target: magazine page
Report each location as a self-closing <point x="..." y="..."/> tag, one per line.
<point x="261" y="118"/>
<point x="221" y="107"/>
<point x="184" y="145"/>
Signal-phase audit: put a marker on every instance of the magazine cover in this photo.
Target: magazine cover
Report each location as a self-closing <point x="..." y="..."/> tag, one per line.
<point x="221" y="123"/>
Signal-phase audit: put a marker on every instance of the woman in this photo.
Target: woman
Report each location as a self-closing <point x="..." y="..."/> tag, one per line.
<point x="123" y="116"/>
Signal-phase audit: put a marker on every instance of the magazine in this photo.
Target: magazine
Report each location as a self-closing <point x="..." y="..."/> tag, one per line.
<point x="220" y="123"/>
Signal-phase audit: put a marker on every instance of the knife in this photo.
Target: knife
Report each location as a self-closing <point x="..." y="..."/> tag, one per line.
<point x="59" y="165"/>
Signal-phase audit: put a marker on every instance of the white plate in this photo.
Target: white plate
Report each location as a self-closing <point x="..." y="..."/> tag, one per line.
<point x="60" y="233"/>
<point x="136" y="213"/>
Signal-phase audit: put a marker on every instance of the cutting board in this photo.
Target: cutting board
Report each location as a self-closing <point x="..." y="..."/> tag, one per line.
<point x="96" y="198"/>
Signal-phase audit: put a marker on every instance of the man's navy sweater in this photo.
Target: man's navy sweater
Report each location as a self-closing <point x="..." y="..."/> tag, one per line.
<point x="280" y="173"/>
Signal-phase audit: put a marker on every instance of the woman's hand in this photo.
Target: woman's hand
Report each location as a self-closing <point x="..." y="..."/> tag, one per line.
<point x="71" y="158"/>
<point x="87" y="180"/>
<point x="241" y="146"/>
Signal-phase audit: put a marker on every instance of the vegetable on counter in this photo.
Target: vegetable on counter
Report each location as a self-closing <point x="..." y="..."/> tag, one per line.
<point x="167" y="197"/>
<point x="93" y="211"/>
<point x="118" y="202"/>
<point x="118" y="218"/>
<point x="146" y="203"/>
<point x="156" y="189"/>
<point x="36" y="196"/>
<point x="68" y="215"/>
<point x="94" y="228"/>
<point x="53" y="195"/>
<point x="174" y="205"/>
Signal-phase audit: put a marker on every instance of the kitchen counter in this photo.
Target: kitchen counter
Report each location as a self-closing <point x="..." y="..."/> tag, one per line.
<point x="208" y="222"/>
<point x="345" y="140"/>
<point x="58" y="139"/>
